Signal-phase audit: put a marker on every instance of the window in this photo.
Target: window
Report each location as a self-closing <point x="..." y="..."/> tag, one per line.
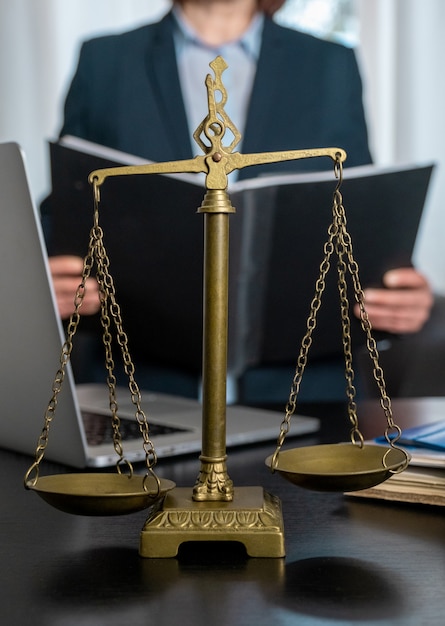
<point x="330" y="19"/>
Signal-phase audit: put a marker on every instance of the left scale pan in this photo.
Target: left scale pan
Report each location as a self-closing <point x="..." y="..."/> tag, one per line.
<point x="100" y="494"/>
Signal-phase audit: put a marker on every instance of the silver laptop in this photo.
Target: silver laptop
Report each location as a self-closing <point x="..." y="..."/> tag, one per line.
<point x="31" y="336"/>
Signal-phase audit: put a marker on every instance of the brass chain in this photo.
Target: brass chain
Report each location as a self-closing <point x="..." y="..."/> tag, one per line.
<point x="339" y="240"/>
<point x="65" y="356"/>
<point x="110" y="311"/>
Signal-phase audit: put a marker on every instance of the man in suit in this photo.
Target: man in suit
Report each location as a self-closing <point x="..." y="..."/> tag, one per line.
<point x="134" y="92"/>
<point x="128" y="93"/>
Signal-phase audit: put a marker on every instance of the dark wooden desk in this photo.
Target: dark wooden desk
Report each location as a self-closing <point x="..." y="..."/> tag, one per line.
<point x="348" y="561"/>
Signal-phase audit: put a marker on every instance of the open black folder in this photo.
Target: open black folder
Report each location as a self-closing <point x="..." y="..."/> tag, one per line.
<point x="154" y="239"/>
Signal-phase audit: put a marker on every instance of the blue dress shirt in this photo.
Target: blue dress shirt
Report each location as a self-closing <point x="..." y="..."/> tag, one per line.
<point x="193" y="58"/>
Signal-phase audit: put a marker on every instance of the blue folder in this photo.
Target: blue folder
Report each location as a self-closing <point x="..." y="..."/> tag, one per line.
<point x="431" y="436"/>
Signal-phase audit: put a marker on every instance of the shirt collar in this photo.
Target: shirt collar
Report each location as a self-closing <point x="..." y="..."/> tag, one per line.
<point x="250" y="41"/>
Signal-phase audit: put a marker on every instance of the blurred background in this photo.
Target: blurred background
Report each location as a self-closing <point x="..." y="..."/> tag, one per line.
<point x="400" y="48"/>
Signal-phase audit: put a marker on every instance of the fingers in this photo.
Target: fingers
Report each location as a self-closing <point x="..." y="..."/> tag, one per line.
<point x="405" y="277"/>
<point x="66" y="287"/>
<point x="403" y="306"/>
<point x="66" y="273"/>
<point x="66" y="265"/>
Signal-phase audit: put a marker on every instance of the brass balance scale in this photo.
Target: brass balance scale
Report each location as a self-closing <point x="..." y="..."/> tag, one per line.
<point x="214" y="510"/>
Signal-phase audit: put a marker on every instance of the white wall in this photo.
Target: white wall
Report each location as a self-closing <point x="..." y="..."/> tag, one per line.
<point x="39" y="44"/>
<point x="402" y="53"/>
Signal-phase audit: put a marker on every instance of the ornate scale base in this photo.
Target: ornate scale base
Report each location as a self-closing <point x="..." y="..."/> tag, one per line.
<point x="252" y="518"/>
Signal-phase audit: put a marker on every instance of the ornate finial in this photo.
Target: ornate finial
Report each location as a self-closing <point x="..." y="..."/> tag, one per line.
<point x="216" y="122"/>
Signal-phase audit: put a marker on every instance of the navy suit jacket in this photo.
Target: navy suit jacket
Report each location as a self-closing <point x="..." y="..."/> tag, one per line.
<point x="307" y="94"/>
<point x="126" y="95"/>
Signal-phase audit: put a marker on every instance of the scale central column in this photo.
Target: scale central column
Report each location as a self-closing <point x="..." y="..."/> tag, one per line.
<point x="214" y="510"/>
<point x="213" y="482"/>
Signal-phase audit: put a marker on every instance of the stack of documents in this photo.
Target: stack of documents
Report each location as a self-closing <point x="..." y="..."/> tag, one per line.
<point x="424" y="479"/>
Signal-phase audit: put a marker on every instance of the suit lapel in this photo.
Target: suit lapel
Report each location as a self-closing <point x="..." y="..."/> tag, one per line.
<point x="266" y="89"/>
<point x="164" y="80"/>
<point x="163" y="76"/>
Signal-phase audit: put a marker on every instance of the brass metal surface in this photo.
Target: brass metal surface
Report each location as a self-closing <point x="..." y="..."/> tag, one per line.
<point x="335" y="469"/>
<point x="213" y="482"/>
<point x="218" y="160"/>
<point x="215" y="510"/>
<point x="340" y="466"/>
<point x="100" y="494"/>
<point x="253" y="518"/>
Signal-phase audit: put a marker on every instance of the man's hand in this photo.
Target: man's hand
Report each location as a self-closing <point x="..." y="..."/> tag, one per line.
<point x="403" y="306"/>
<point x="66" y="272"/>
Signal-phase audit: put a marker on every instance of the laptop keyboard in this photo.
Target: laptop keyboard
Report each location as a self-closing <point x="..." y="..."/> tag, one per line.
<point x="98" y="429"/>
